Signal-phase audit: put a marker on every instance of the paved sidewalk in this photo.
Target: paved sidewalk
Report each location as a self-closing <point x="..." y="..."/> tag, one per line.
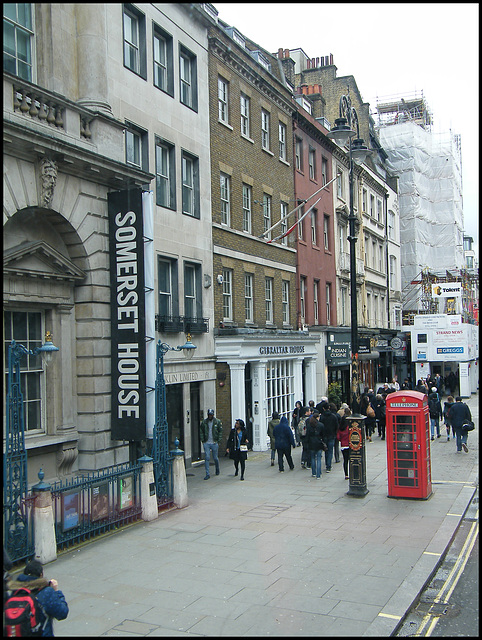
<point x="280" y="554"/>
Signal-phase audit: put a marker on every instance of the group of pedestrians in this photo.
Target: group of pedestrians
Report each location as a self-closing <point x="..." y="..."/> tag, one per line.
<point x="317" y="429"/>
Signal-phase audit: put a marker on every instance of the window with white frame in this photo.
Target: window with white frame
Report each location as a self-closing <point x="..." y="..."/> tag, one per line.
<point x="364" y="201"/>
<point x="393" y="273"/>
<point x="324" y="170"/>
<point x="339" y="185"/>
<point x="167" y="288"/>
<point x="163" y="60"/>
<point x="302" y="299"/>
<point x="245" y="116"/>
<point x="265" y="141"/>
<point x="341" y="238"/>
<point x="299" y="154"/>
<point x="375" y="310"/>
<point x="379" y="210"/>
<point x="227" y="295"/>
<point x="190" y="185"/>
<point x="284" y="223"/>
<point x="25" y="327"/>
<point x="300" y="215"/>
<point x="380" y="258"/>
<point x="280" y="386"/>
<point x="135" y="40"/>
<point x="316" y="304"/>
<point x="223" y="114"/>
<point x="18" y="37"/>
<point x="391" y="225"/>
<point x="165" y="175"/>
<point x="248" y="297"/>
<point x="328" y="304"/>
<point x="285" y="298"/>
<point x="247" y="211"/>
<point x="344" y="305"/>
<point x="268" y="297"/>
<point x="374" y="254"/>
<point x="192" y="291"/>
<point x="136" y="146"/>
<point x="314" y="224"/>
<point x="369" y="308"/>
<point x="188" y="78"/>
<point x="282" y="141"/>
<point x="326" y="232"/>
<point x="372" y="206"/>
<point x="311" y="164"/>
<point x="225" y="199"/>
<point x="267" y="214"/>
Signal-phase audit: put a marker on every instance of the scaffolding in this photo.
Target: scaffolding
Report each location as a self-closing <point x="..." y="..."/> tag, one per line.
<point x="417" y="295"/>
<point x="412" y="107"/>
<point x="429" y="170"/>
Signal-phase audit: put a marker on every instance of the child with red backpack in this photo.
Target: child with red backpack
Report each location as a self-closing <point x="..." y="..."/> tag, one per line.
<point x="32" y="604"/>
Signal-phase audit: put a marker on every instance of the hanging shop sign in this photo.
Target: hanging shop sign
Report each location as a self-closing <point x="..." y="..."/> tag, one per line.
<point x="128" y="334"/>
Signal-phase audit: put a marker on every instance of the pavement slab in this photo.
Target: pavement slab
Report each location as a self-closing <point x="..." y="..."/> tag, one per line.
<point x="280" y="554"/>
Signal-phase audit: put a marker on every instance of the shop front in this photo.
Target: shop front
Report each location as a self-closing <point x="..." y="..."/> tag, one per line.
<point x="260" y="373"/>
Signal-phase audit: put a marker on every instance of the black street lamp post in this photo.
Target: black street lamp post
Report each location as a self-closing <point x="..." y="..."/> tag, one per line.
<point x="342" y="133"/>
<point x="160" y="439"/>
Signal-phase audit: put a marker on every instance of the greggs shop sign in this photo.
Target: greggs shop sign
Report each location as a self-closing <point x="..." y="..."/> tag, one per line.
<point x="128" y="333"/>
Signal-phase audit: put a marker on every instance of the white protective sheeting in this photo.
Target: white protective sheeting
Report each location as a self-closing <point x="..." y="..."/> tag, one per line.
<point x="429" y="169"/>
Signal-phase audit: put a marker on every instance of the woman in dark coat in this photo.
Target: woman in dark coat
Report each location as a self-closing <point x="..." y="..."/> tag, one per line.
<point x="314" y="439"/>
<point x="238" y="438"/>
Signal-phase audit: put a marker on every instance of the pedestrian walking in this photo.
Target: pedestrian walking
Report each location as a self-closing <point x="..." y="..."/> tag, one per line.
<point x="435" y="412"/>
<point x="367" y="410"/>
<point x="452" y="382"/>
<point x="343" y="437"/>
<point x="284" y="440"/>
<point x="459" y="414"/>
<point x="51" y="600"/>
<point x="302" y="427"/>
<point x="381" y="414"/>
<point x="329" y="420"/>
<point x="447" y="404"/>
<point x="315" y="442"/>
<point x="237" y="446"/>
<point x="211" y="431"/>
<point x="271" y="425"/>
<point x="295" y="418"/>
<point x="336" y="448"/>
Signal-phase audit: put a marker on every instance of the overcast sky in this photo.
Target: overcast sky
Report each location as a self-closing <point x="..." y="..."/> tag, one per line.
<point x="392" y="50"/>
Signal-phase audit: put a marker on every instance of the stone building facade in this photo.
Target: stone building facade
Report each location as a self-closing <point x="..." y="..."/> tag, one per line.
<point x="113" y="97"/>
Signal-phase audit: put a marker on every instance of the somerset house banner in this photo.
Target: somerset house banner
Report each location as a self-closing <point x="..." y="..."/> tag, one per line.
<point x="128" y="334"/>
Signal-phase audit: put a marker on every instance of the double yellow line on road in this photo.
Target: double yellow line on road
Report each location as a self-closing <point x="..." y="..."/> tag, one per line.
<point x="450" y="583"/>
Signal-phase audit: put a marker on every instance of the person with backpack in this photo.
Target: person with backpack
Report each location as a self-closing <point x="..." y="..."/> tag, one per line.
<point x="305" y="452"/>
<point x="459" y="414"/>
<point x="435" y="412"/>
<point x="40" y="599"/>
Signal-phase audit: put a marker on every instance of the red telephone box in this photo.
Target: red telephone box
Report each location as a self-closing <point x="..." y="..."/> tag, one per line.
<point x="408" y="445"/>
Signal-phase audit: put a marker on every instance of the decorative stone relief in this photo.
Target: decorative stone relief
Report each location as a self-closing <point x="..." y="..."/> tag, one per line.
<point x="48" y="179"/>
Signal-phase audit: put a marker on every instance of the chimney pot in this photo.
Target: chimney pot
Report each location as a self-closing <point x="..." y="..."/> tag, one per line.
<point x="287" y="53"/>
<point x="280" y="53"/>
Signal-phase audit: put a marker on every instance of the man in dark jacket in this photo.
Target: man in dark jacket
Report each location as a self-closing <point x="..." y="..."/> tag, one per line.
<point x="435" y="411"/>
<point x="329" y="420"/>
<point x="459" y="414"/>
<point x="284" y="440"/>
<point x="51" y="599"/>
